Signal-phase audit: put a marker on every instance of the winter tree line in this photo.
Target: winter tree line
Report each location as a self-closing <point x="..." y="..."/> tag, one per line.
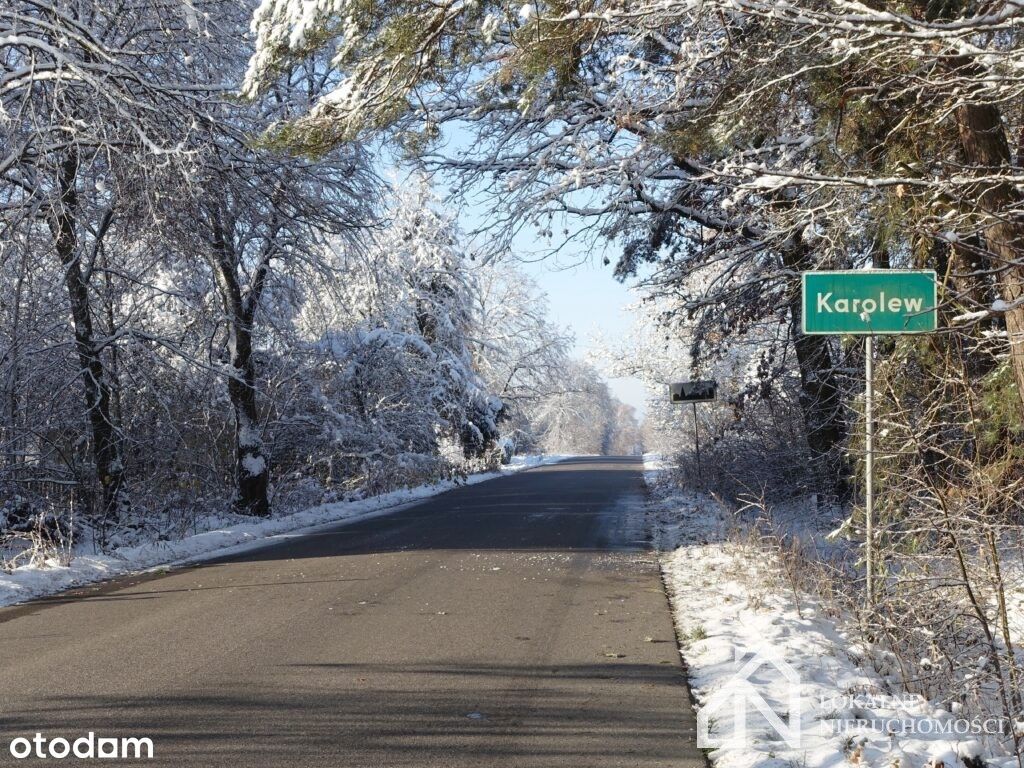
<point x="724" y="147"/>
<point x="196" y="317"/>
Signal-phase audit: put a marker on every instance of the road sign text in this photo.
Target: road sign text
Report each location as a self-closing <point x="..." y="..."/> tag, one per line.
<point x="869" y="302"/>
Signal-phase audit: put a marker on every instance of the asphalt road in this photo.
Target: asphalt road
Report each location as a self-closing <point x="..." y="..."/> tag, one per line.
<point x="518" y="622"/>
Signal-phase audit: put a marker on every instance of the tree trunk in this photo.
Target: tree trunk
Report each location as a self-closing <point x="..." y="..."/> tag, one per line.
<point x="985" y="147"/>
<point x="819" y="394"/>
<point x="820" y="397"/>
<point x="252" y="470"/>
<point x="106" y="439"/>
<point x="252" y="473"/>
<point x="13" y="436"/>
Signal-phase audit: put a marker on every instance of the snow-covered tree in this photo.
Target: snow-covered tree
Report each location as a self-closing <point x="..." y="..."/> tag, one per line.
<point x="590" y="120"/>
<point x="96" y="104"/>
<point x="761" y="141"/>
<point x="518" y="351"/>
<point x="387" y="334"/>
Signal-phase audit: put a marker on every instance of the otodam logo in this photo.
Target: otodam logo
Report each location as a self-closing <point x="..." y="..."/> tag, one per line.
<point x="85" y="747"/>
<point x="827" y="304"/>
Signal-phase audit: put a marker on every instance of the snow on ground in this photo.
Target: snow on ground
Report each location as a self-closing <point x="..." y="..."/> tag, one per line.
<point x="30" y="581"/>
<point x="748" y="644"/>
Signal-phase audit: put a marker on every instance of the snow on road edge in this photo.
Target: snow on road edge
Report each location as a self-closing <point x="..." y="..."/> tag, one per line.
<point x="32" y="581"/>
<point x="732" y="606"/>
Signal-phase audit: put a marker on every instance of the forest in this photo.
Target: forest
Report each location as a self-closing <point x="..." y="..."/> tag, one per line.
<point x="197" y="319"/>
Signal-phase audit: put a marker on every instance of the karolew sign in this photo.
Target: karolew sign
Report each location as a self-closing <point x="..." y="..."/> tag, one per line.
<point x="877" y="301"/>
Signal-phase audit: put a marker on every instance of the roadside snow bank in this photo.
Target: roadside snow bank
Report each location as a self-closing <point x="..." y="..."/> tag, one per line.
<point x="782" y="685"/>
<point x="30" y="581"/>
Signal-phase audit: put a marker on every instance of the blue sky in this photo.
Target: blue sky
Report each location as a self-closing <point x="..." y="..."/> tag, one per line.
<point x="585" y="298"/>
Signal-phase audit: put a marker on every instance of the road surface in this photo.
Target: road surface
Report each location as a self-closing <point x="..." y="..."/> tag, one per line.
<point x="517" y="623"/>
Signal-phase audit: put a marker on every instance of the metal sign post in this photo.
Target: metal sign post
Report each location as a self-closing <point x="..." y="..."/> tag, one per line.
<point x="694" y="392"/>
<point x="869" y="466"/>
<point x="696" y="440"/>
<point x="865" y="303"/>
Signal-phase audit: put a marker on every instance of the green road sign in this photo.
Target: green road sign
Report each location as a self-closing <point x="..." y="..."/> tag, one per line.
<point x="869" y="301"/>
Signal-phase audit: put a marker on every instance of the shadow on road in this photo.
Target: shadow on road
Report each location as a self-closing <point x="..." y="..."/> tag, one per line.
<point x="391" y="714"/>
